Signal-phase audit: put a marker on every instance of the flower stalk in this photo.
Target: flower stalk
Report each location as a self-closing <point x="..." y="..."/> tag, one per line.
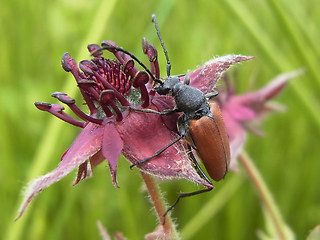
<point x="169" y="228"/>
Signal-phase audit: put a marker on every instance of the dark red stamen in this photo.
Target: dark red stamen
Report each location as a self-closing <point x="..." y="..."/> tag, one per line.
<point x="114" y="75"/>
<point x="93" y="48"/>
<point x="71" y="103"/>
<point x="128" y="66"/>
<point x="122" y="58"/>
<point x="140" y="81"/>
<point x="87" y="85"/>
<point x="152" y="54"/>
<point x="43" y="106"/>
<point x="57" y="110"/>
<point x="88" y="67"/>
<point x="107" y="85"/>
<point x="69" y="65"/>
<point x="127" y="70"/>
<point x="107" y="97"/>
<point x="118" y="75"/>
<point x="112" y="50"/>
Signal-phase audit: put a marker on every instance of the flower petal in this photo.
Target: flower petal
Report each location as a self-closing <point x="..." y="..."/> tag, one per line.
<point x="236" y="135"/>
<point x="143" y="135"/>
<point x="103" y="231"/>
<point x="85" y="169"/>
<point x="243" y="113"/>
<point x="277" y="84"/>
<point x="164" y="103"/>
<point x="206" y="77"/>
<point x="112" y="146"/>
<point x="86" y="145"/>
<point x="257" y="100"/>
<point x="239" y="111"/>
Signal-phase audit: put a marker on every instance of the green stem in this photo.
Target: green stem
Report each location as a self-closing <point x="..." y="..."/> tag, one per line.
<point x="283" y="231"/>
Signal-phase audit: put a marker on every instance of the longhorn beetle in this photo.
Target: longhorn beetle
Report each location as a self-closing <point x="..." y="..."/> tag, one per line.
<point x="201" y="123"/>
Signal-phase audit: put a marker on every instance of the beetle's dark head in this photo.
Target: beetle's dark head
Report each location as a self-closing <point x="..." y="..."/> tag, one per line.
<point x="168" y="86"/>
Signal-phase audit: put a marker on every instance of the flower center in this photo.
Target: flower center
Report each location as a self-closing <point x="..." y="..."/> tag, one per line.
<point x="106" y="85"/>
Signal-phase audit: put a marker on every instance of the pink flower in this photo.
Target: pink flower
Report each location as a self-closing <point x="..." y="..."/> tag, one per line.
<point x="244" y="112"/>
<point x="109" y="129"/>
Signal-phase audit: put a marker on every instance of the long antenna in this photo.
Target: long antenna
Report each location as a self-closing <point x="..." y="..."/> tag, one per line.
<point x="110" y="47"/>
<point x="154" y="20"/>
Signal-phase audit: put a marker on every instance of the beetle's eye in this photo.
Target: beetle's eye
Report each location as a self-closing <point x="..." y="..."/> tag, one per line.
<point x="162" y="89"/>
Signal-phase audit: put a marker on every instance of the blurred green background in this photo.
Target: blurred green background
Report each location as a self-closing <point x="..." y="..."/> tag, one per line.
<point x="283" y="35"/>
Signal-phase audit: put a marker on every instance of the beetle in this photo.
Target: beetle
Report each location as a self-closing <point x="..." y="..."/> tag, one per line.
<point x="201" y="123"/>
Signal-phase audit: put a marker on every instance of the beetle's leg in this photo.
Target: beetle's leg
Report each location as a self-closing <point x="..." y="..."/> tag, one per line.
<point x="202" y="175"/>
<point x="212" y="94"/>
<point x="196" y="166"/>
<point x="157" y="153"/>
<point x="165" y="112"/>
<point x="182" y="195"/>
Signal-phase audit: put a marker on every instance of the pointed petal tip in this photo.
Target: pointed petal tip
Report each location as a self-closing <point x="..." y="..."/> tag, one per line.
<point x="85" y="146"/>
<point x="114" y="179"/>
<point x="276" y="85"/>
<point x="38" y="184"/>
<point x="103" y="231"/>
<point x="232" y="58"/>
<point x="112" y="146"/>
<point x="84" y="171"/>
<point x="206" y="77"/>
<point x="240" y="57"/>
<point x="289" y="75"/>
<point x="23" y="207"/>
<point x="248" y="57"/>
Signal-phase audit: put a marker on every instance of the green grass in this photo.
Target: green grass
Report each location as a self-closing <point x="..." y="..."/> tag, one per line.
<point x="283" y="35"/>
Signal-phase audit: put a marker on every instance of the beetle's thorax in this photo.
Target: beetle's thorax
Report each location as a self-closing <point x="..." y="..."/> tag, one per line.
<point x="188" y="99"/>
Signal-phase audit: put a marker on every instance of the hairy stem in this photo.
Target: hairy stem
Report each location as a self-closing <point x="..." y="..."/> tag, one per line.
<point x="160" y="206"/>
